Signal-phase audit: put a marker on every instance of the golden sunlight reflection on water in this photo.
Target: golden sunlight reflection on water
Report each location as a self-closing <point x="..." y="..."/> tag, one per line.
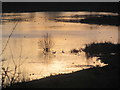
<point x="23" y="45"/>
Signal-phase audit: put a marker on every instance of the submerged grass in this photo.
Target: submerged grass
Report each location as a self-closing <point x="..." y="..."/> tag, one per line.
<point x="46" y="43"/>
<point x="75" y="50"/>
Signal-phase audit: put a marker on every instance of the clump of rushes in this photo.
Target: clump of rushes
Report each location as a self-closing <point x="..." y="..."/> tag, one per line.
<point x="75" y="50"/>
<point x="46" y="43"/>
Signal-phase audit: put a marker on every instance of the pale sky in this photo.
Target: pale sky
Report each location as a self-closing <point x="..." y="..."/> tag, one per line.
<point x="59" y="0"/>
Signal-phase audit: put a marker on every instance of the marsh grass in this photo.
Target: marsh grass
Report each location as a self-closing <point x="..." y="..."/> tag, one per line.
<point x="46" y="43"/>
<point x="75" y="50"/>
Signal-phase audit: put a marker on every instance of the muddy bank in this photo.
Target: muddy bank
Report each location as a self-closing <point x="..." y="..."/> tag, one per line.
<point x="96" y="77"/>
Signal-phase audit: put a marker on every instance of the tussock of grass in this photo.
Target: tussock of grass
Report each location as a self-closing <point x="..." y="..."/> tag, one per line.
<point x="46" y="43"/>
<point x="75" y="50"/>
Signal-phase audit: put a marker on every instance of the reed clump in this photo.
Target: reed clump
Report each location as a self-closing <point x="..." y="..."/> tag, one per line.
<point x="46" y="43"/>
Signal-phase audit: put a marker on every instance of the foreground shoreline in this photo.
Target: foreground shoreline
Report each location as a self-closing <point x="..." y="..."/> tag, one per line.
<point x="90" y="78"/>
<point x="96" y="77"/>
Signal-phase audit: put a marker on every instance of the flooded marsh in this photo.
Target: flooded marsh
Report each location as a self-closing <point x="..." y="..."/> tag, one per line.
<point x="51" y="43"/>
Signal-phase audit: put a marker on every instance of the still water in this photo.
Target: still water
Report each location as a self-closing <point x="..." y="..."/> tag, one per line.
<point x="24" y="50"/>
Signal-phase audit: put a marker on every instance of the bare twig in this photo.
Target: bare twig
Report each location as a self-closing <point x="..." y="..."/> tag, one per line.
<point x="6" y="73"/>
<point x="8" y="39"/>
<point x="12" y="56"/>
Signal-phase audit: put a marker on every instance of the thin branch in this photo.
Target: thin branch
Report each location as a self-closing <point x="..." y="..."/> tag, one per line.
<point x="12" y="55"/>
<point x="8" y="39"/>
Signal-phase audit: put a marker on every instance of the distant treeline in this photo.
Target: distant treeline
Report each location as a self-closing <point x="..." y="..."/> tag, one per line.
<point x="60" y="6"/>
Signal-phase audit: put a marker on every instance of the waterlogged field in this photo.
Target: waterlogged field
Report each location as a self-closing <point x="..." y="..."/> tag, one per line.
<point x="40" y="46"/>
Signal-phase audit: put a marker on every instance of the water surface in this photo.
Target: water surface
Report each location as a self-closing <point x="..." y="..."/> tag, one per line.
<point x="23" y="48"/>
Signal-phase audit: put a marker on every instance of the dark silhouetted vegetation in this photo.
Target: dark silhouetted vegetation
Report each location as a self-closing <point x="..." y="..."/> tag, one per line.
<point x="104" y="20"/>
<point x="91" y="19"/>
<point x="107" y="52"/>
<point x="75" y="51"/>
<point x="100" y="49"/>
